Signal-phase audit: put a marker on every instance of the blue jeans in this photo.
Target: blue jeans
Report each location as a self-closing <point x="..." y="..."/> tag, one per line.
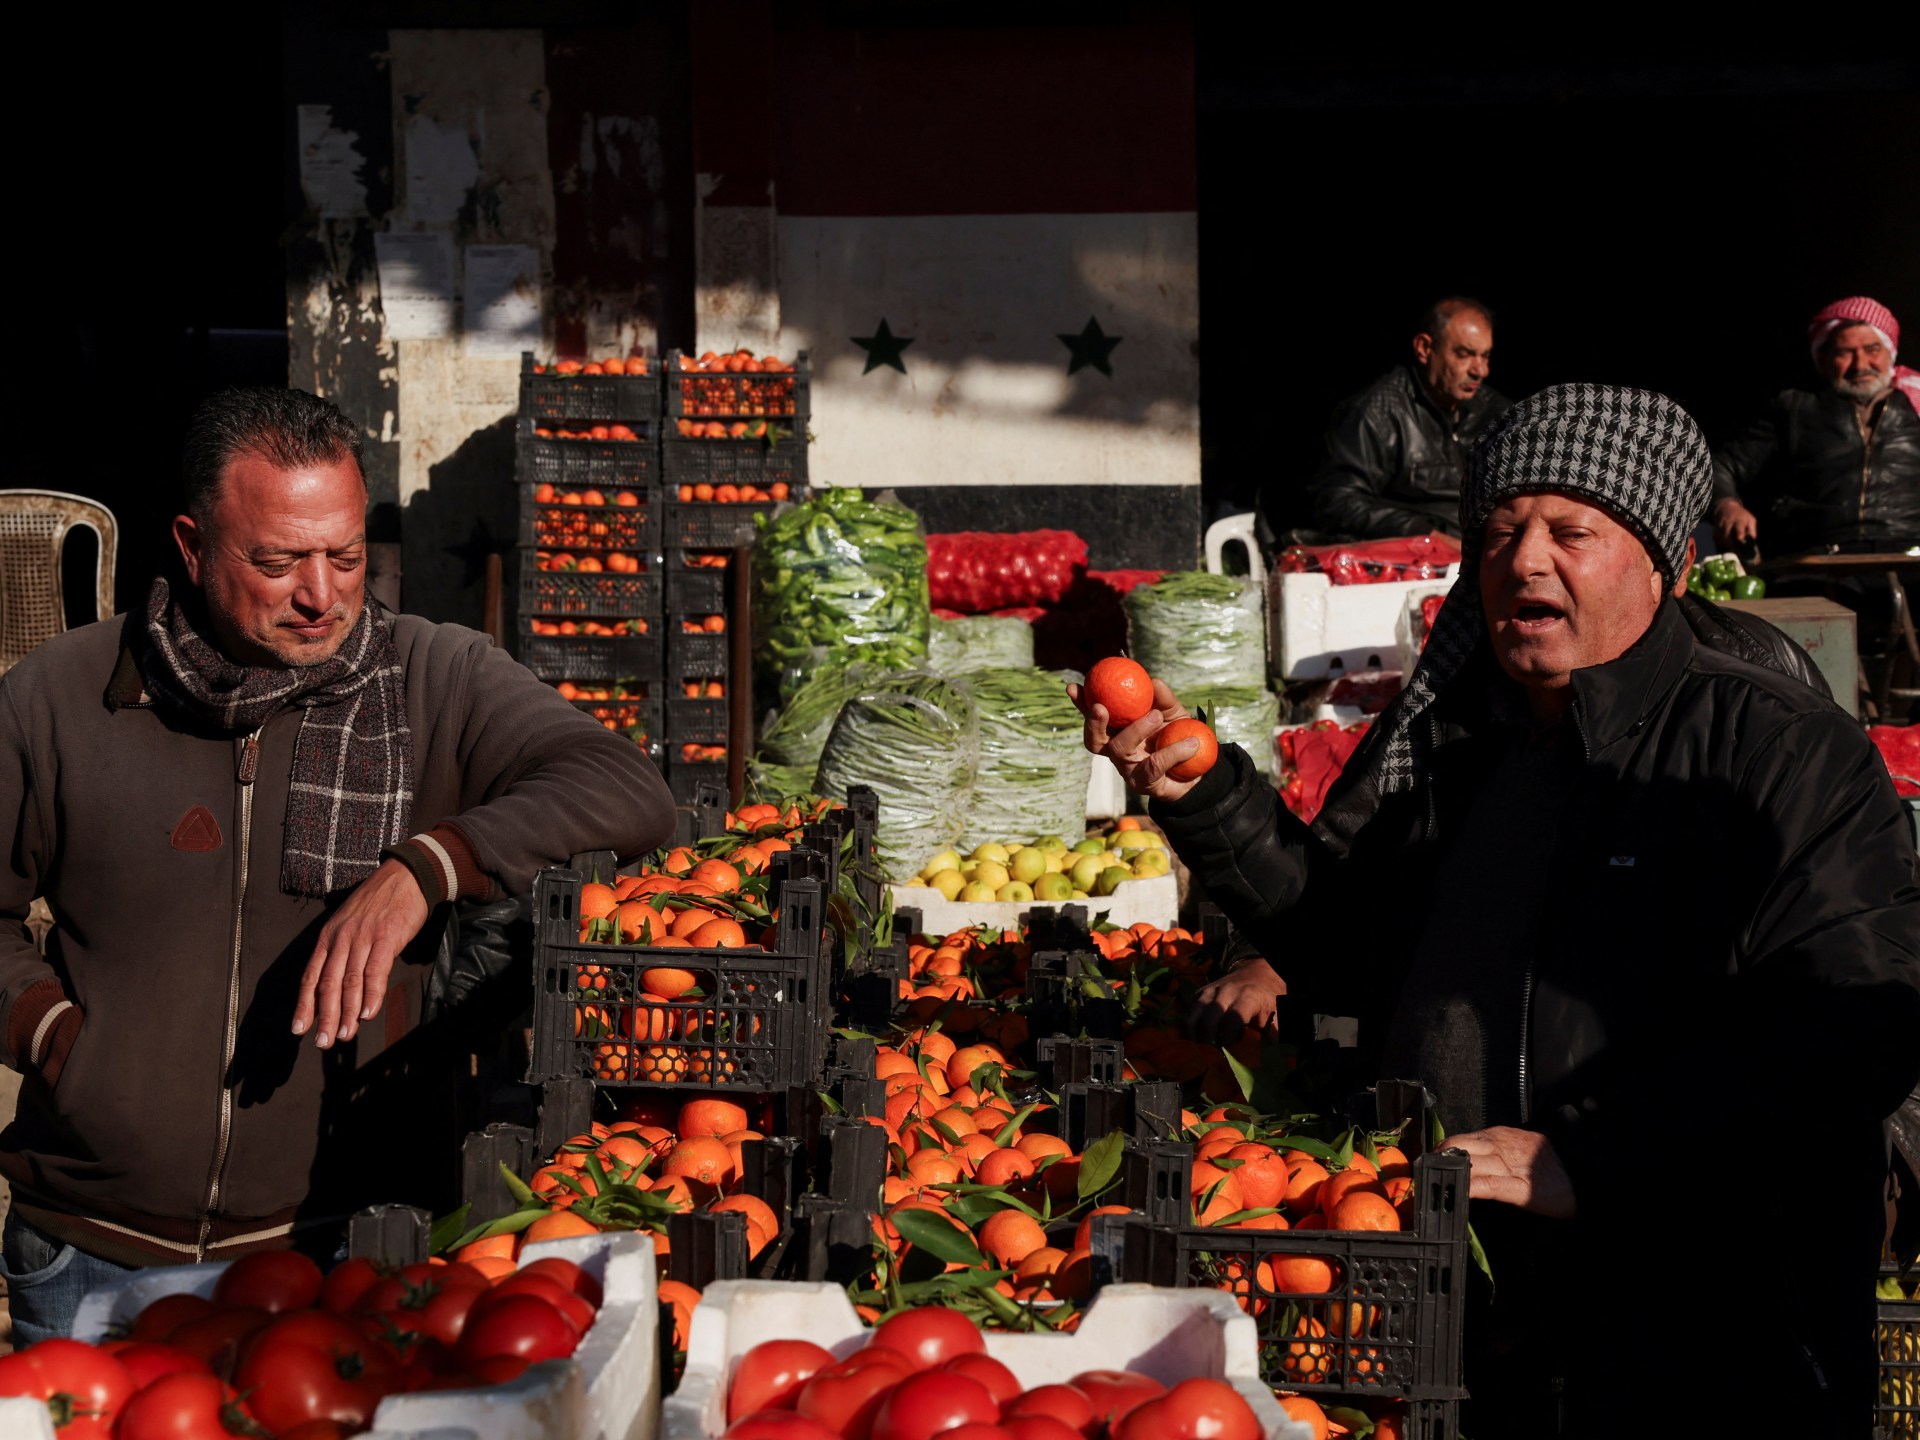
<point x="46" y="1280"/>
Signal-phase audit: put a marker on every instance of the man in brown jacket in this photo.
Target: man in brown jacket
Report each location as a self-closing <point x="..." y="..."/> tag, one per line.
<point x="249" y="807"/>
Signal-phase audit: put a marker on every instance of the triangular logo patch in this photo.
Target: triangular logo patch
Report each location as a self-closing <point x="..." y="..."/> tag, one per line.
<point x="197" y="831"/>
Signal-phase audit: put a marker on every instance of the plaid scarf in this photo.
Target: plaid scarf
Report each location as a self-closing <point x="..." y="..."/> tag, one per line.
<point x="1633" y="453"/>
<point x="352" y="782"/>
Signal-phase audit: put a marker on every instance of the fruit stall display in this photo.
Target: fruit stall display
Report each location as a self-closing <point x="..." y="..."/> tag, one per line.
<point x="735" y="443"/>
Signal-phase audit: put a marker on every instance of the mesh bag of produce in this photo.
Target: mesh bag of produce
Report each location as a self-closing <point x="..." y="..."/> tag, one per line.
<point x="1193" y="629"/>
<point x="1033" y="772"/>
<point x="796" y="734"/>
<point x="838" y="580"/>
<point x="979" y="642"/>
<point x="1241" y="715"/>
<point x="914" y="739"/>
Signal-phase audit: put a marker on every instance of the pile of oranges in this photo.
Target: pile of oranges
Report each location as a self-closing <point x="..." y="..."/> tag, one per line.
<point x="718" y="385"/>
<point x="613" y="365"/>
<point x="592" y="432"/>
<point x="695" y="754"/>
<point x="597" y="629"/>
<point x="730" y="494"/>
<point x="703" y="689"/>
<point x="618" y="562"/>
<point x="546" y="494"/>
<point x="703" y="624"/>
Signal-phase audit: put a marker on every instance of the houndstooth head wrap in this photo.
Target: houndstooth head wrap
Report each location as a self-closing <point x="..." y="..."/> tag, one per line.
<point x="1633" y="453"/>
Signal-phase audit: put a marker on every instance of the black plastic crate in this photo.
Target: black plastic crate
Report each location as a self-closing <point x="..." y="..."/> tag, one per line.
<point x="1390" y="1325"/>
<point x="694" y="591"/>
<point x="639" y="720"/>
<point x="760" y="1028"/>
<point x="590" y="657"/>
<point x="692" y="656"/>
<point x="1896" y="1331"/>
<point x="548" y="396"/>
<point x="605" y="594"/>
<point x="634" y="526"/>
<point x="703" y="722"/>
<point x="573" y="464"/>
<point x="739" y="394"/>
<point x="684" y="778"/>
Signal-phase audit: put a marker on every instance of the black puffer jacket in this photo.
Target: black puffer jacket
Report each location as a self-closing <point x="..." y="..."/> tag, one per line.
<point x="1813" y="479"/>
<point x="1394" y="461"/>
<point x="1732" y="950"/>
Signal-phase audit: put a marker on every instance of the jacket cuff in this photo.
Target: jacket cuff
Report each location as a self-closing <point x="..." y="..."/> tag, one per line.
<point x="443" y="862"/>
<point x="42" y="1027"/>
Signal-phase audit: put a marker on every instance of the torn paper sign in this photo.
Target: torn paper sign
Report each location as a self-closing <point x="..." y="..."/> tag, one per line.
<point x="502" y="300"/>
<point x="330" y="165"/>
<point x="416" y="284"/>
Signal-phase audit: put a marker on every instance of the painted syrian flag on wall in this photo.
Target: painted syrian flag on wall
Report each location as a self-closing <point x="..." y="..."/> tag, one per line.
<point x="987" y="241"/>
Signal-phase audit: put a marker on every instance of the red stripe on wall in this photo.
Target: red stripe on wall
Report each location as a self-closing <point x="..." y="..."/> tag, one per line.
<point x="926" y="120"/>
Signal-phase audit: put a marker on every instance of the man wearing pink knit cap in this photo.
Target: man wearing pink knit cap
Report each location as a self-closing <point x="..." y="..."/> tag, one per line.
<point x="1835" y="468"/>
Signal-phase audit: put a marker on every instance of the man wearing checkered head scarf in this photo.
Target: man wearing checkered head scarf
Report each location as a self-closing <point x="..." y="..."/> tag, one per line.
<point x="1606" y="891"/>
<point x="1833" y="466"/>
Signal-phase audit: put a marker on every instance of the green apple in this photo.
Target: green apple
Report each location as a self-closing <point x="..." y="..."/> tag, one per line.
<point x="949" y="883"/>
<point x="1028" y="865"/>
<point x="991" y="851"/>
<point x="1050" y="842"/>
<point x="976" y="891"/>
<point x="1086" y="871"/>
<point x="1111" y="879"/>
<point x="1149" y="863"/>
<point x="1053" y="887"/>
<point x="1092" y="845"/>
<point x="1014" y="890"/>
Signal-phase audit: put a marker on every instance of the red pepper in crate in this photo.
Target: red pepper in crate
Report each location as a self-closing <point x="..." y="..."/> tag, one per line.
<point x="1373" y="562"/>
<point x="977" y="572"/>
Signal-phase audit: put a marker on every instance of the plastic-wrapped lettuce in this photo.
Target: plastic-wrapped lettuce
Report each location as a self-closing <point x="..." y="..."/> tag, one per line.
<point x="837" y="580"/>
<point x="1194" y="629"/>
<point x="1240" y="714"/>
<point x="1033" y="771"/>
<point x="913" y="737"/>
<point x="979" y="642"/>
<point x="795" y="735"/>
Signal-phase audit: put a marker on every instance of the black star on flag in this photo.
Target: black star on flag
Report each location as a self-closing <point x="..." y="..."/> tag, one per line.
<point x="883" y="347"/>
<point x="1091" y="346"/>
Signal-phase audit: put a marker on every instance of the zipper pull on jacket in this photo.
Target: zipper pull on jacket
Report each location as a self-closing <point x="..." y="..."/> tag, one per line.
<point x="247" y="761"/>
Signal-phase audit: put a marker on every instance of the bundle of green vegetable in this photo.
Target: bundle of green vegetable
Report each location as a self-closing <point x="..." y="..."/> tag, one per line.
<point x="1034" y="769"/>
<point x="1239" y="714"/>
<point x="979" y="642"/>
<point x="768" y="782"/>
<point x="795" y="735"/>
<point x="839" y="579"/>
<point x="1194" y="629"/>
<point x="913" y="738"/>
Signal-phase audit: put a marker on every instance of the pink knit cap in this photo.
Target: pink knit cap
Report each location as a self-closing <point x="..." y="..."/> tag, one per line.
<point x="1854" y="310"/>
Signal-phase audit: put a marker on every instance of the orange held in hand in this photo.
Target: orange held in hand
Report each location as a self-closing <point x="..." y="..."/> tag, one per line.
<point x="1123" y="687"/>
<point x="1201" y="761"/>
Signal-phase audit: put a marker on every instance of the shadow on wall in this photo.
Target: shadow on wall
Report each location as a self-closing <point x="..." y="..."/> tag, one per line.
<point x="467" y="513"/>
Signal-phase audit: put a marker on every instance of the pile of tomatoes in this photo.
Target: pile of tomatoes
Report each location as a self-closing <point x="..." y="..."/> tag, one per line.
<point x="283" y="1350"/>
<point x="927" y="1372"/>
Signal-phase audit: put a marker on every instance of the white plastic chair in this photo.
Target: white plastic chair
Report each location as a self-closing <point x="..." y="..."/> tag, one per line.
<point x="33" y="534"/>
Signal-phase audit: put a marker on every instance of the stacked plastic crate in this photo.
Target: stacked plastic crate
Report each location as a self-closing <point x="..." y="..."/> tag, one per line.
<point x="735" y="445"/>
<point x="588" y="614"/>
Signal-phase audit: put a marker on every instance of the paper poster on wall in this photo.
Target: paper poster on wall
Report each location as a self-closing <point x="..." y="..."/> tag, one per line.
<point x="416" y="284"/>
<point x="502" y="300"/>
<point x="330" y="165"/>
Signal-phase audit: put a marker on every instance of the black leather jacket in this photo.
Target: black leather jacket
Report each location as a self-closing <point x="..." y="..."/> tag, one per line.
<point x="1732" y="939"/>
<point x="1394" y="461"/>
<point x="1812" y="479"/>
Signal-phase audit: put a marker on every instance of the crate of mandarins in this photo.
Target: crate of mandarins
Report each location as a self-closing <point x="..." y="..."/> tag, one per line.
<point x="585" y="453"/>
<point x="590" y="519"/>
<point x="738" y="386"/>
<point x="612" y="388"/>
<point x="1351" y="1261"/>
<point x="714" y="978"/>
<point x="564" y="586"/>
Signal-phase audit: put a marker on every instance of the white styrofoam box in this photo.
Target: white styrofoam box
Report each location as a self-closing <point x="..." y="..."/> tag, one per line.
<point x="1155" y="900"/>
<point x="1106" y="791"/>
<point x="608" y="1390"/>
<point x="1171" y="1335"/>
<point x="1357" y="625"/>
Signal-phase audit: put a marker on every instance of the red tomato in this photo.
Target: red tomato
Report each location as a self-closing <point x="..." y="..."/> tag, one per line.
<point x="771" y="1375"/>
<point x="1039" y="1427"/>
<point x="1057" y="1402"/>
<point x="929" y="1336"/>
<point x="989" y="1372"/>
<point x="218" y="1336"/>
<point x="923" y="1406"/>
<point x="313" y="1366"/>
<point x="779" y="1425"/>
<point x="577" y="1312"/>
<point x="147" y="1360"/>
<point x="1112" y="1393"/>
<point x="83" y="1386"/>
<point x="442" y="1317"/>
<point x="167" y="1314"/>
<point x="185" y="1407"/>
<point x="275" y="1281"/>
<point x="568" y="1274"/>
<point x="520" y="1325"/>
<point x="976" y="1430"/>
<point x="346" y="1283"/>
<point x="1196" y="1409"/>
<point x="847" y="1395"/>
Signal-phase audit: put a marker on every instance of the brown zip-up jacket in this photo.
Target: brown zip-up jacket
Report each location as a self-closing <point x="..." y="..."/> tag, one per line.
<point x="168" y="1112"/>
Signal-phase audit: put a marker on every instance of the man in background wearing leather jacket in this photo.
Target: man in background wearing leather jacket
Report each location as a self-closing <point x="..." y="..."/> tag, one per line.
<point x="1396" y="452"/>
<point x="1634" y="908"/>
<point x="1833" y="466"/>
